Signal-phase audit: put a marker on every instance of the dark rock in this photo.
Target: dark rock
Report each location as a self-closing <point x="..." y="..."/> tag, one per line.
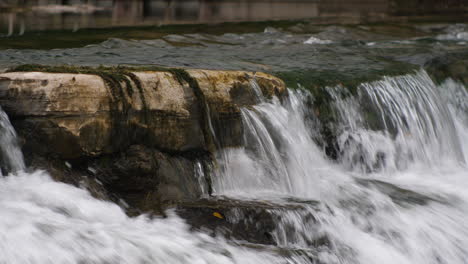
<point x="146" y="177"/>
<point x="399" y="195"/>
<point x="451" y="65"/>
<point x="256" y="222"/>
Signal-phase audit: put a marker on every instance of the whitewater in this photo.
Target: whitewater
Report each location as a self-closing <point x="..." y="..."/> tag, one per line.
<point x="395" y="194"/>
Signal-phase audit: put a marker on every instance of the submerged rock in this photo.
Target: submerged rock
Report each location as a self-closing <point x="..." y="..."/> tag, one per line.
<point x="452" y="65"/>
<point x="256" y="221"/>
<point x="401" y="196"/>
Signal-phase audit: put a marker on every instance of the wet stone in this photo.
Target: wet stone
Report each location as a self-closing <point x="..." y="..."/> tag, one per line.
<point x="253" y="221"/>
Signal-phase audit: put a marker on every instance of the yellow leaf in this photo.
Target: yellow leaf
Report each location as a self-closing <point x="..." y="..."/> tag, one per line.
<point x="218" y="215"/>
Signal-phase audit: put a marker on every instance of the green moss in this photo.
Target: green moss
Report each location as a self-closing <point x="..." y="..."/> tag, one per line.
<point x="83" y="69"/>
<point x="315" y="80"/>
<point x="183" y="76"/>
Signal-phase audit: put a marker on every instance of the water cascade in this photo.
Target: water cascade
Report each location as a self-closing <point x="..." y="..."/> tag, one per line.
<point x="44" y="221"/>
<point x="12" y="156"/>
<point x="413" y="124"/>
<point x="395" y="194"/>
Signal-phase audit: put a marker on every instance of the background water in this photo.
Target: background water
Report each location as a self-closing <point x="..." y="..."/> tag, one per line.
<point x="350" y="51"/>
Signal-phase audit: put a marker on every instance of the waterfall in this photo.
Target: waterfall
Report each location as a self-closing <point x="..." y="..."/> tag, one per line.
<point x="413" y="121"/>
<point x="12" y="157"/>
<point x="44" y="221"/>
<point x="457" y="99"/>
<point x="396" y="194"/>
<point x="278" y="156"/>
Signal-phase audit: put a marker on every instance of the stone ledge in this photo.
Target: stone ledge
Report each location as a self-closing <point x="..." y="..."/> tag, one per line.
<point x="140" y="136"/>
<point x="155" y="108"/>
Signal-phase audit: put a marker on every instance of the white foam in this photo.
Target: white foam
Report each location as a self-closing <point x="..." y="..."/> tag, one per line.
<point x="417" y="211"/>
<point x="314" y="40"/>
<point x="49" y="222"/>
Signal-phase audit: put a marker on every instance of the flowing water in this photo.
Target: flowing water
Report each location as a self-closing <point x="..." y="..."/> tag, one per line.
<point x="43" y="221"/>
<point x="10" y="152"/>
<point x="396" y="193"/>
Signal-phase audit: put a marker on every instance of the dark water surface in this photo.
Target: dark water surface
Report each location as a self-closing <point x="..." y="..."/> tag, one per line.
<point x="290" y="46"/>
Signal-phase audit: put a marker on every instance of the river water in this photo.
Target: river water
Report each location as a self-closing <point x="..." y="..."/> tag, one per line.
<point x="395" y="194"/>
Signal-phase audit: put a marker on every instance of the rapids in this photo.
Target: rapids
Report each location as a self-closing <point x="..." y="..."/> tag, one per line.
<point x="396" y="193"/>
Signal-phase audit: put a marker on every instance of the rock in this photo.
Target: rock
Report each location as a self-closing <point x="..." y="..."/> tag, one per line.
<point x="76" y="115"/>
<point x="145" y="177"/>
<point x="75" y="174"/>
<point x="149" y="135"/>
<point x="253" y="221"/>
<point x="401" y="196"/>
<point x="224" y="92"/>
<point x="453" y="65"/>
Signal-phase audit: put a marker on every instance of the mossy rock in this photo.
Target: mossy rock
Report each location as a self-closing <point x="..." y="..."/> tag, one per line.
<point x="451" y="65"/>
